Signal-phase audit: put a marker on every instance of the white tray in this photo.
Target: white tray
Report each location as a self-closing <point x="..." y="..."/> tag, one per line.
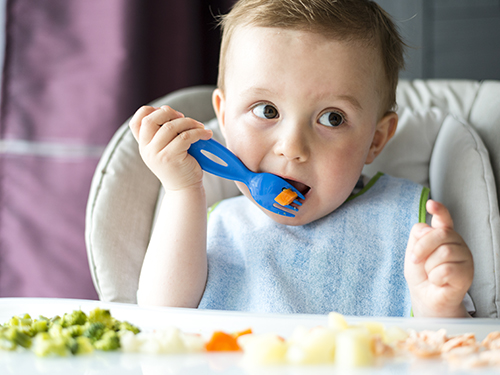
<point x="205" y="322"/>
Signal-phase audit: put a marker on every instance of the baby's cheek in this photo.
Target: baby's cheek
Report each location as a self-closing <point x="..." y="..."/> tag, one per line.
<point x="243" y="189"/>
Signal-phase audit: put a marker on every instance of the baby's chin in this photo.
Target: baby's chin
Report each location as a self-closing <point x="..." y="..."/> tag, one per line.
<point x="300" y="218"/>
<point x="286" y="220"/>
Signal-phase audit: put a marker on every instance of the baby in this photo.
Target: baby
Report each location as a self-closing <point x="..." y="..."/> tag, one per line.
<point x="306" y="91"/>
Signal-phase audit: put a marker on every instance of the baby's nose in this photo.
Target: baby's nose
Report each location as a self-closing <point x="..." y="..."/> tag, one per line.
<point x="293" y="144"/>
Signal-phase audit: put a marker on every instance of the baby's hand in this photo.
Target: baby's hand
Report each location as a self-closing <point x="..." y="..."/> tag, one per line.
<point x="438" y="266"/>
<point x="164" y="136"/>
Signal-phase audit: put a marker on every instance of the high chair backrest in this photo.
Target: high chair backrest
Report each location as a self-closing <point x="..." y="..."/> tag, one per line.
<point x="448" y="138"/>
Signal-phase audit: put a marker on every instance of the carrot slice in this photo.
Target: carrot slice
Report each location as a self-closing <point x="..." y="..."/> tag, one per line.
<point x="222" y="342"/>
<point x="286" y="197"/>
<point x="241" y="333"/>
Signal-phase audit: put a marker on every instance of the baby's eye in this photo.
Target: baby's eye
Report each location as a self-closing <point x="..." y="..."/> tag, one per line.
<point x="265" y="111"/>
<point x="331" y="118"/>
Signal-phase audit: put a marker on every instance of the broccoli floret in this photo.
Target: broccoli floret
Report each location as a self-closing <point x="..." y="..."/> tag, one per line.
<point x="109" y="341"/>
<point x="77" y="317"/>
<point x="56" y="331"/>
<point x="6" y="343"/>
<point x="75" y="331"/>
<point x="16" y="336"/>
<point x="80" y="345"/>
<point x="94" y="331"/>
<point x="126" y="326"/>
<point x="101" y="316"/>
<point x="23" y="324"/>
<point x="39" y="326"/>
<point x="54" y="320"/>
<point x="45" y="344"/>
<point x="25" y="320"/>
<point x="71" y="344"/>
<point x="84" y="345"/>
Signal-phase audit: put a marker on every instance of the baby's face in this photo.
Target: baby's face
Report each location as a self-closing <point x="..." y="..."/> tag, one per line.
<point x="305" y="108"/>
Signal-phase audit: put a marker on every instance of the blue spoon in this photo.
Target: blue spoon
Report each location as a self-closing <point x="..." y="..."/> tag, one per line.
<point x="214" y="158"/>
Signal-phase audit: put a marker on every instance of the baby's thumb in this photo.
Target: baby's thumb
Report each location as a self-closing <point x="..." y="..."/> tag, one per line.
<point x="441" y="217"/>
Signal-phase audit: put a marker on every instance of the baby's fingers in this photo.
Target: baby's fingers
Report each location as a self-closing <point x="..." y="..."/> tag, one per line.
<point x="457" y="275"/>
<point x="152" y="121"/>
<point x="451" y="253"/>
<point x="135" y="121"/>
<point x="429" y="240"/>
<point x="178" y="135"/>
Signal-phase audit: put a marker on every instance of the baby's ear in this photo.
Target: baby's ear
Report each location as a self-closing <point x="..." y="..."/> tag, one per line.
<point x="384" y="131"/>
<point x="219" y="104"/>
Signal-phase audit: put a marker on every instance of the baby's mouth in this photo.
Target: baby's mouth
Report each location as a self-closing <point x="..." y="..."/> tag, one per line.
<point x="302" y="188"/>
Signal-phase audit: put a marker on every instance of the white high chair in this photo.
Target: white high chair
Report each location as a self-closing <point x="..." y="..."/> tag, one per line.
<point x="448" y="138"/>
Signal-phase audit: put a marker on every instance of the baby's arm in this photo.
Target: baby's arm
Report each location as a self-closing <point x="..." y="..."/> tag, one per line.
<point x="438" y="266"/>
<point x="175" y="266"/>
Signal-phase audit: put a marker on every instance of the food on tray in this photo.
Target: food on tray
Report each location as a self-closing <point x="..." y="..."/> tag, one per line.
<point x="311" y="346"/>
<point x="462" y="351"/>
<point x="73" y="333"/>
<point x="286" y="197"/>
<point x="225" y="342"/>
<point x="222" y="341"/>
<point x="264" y="349"/>
<point x="169" y="340"/>
<point x="339" y="343"/>
<point x="346" y="345"/>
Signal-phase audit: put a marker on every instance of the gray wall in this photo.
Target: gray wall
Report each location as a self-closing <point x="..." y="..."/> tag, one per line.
<point x="449" y="38"/>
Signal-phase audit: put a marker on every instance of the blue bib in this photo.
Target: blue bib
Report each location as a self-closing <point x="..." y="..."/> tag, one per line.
<point x="350" y="261"/>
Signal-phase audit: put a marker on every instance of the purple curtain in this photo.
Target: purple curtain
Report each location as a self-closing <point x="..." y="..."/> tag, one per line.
<point x="73" y="72"/>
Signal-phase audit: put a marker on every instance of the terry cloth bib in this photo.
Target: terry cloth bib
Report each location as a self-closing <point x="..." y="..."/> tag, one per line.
<point x="350" y="261"/>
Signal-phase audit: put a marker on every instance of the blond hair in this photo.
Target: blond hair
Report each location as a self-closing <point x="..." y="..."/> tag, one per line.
<point x="346" y="20"/>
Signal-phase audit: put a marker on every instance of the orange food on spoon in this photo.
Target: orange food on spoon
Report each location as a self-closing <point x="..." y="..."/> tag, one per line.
<point x="286" y="197"/>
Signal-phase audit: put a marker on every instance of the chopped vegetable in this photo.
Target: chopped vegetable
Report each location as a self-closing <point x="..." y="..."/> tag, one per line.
<point x="74" y="333"/>
<point x="6" y="344"/>
<point x="94" y="331"/>
<point x="263" y="349"/>
<point x="77" y="317"/>
<point x="241" y="333"/>
<point x="222" y="342"/>
<point x="41" y="325"/>
<point x="286" y="197"/>
<point x="82" y="345"/>
<point x="313" y="346"/>
<point x="354" y="348"/>
<point x="122" y="327"/>
<point x="102" y="316"/>
<point x="169" y="340"/>
<point x="16" y="337"/>
<point x="108" y="341"/>
<point x="46" y="343"/>
<point x="337" y="321"/>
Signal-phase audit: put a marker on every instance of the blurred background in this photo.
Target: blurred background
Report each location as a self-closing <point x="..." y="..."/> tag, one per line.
<point x="74" y="71"/>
